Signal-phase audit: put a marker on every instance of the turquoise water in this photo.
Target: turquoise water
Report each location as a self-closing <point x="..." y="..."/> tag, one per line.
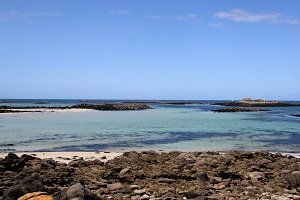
<point x="166" y="127"/>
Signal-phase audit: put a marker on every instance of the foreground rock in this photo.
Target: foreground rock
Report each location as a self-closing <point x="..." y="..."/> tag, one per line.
<point x="239" y="109"/>
<point x="150" y="175"/>
<point x="256" y="103"/>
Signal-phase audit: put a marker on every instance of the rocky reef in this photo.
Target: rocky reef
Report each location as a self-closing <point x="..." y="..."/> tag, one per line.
<point x="247" y="102"/>
<point x="16" y="111"/>
<point x="100" y="107"/>
<point x="113" y="106"/>
<point x="239" y="109"/>
<point x="296" y="115"/>
<point x="152" y="175"/>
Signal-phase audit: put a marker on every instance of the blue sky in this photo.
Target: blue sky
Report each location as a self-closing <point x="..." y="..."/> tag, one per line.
<point x="156" y="49"/>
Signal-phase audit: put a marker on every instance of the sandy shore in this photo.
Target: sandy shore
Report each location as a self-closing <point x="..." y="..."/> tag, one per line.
<point x="66" y="157"/>
<point x="49" y="110"/>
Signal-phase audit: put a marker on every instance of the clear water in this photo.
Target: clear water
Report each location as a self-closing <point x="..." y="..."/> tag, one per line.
<point x="166" y="127"/>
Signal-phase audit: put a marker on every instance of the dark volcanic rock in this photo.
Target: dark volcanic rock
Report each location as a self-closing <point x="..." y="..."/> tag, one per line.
<point x="296" y="115"/>
<point x="113" y="106"/>
<point x="27" y="185"/>
<point x="11" y="163"/>
<point x="239" y="109"/>
<point x="16" y="111"/>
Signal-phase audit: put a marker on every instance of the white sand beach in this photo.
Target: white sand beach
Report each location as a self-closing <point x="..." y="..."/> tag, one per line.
<point x="66" y="157"/>
<point x="25" y="110"/>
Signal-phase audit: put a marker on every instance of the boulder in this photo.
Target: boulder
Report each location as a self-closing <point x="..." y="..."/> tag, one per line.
<point x="202" y="179"/>
<point x="75" y="192"/>
<point x="27" y="185"/>
<point x="293" y="179"/>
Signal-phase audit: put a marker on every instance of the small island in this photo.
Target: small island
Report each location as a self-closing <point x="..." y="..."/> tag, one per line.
<point x="248" y="102"/>
<point x="100" y="107"/>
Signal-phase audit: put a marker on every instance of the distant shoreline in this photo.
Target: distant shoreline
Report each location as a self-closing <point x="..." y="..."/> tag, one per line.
<point x="78" y="107"/>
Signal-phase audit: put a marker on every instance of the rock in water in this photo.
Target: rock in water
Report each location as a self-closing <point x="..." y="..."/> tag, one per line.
<point x="75" y="192"/>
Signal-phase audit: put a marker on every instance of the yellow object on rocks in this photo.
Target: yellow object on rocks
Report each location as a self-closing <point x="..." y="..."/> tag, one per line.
<point x="36" y="196"/>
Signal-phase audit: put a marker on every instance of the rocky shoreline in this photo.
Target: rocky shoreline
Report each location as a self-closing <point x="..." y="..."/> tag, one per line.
<point x="107" y="107"/>
<point x="100" y="107"/>
<point x="257" y="104"/>
<point x="151" y="175"/>
<point x="240" y="109"/>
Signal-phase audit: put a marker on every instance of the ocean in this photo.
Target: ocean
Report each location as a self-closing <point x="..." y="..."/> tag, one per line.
<point x="190" y="127"/>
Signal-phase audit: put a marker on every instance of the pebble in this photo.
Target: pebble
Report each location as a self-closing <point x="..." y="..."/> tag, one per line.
<point x="140" y="192"/>
<point x="115" y="186"/>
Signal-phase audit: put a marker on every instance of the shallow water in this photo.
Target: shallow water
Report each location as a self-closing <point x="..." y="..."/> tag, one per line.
<point x="166" y="127"/>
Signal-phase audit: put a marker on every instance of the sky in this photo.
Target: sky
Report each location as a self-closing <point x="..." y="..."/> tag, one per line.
<point x="150" y="49"/>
